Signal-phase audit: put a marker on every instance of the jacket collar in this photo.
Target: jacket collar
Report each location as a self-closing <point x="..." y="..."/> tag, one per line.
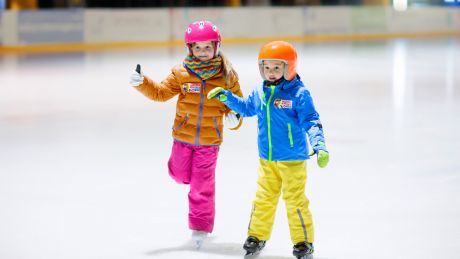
<point x="285" y="84"/>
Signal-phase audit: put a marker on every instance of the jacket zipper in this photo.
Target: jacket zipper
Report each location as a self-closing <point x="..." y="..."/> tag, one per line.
<point x="270" y="153"/>
<point x="201" y="111"/>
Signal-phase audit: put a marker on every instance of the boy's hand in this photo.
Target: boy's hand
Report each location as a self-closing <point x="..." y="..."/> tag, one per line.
<point x="218" y="93"/>
<point x="136" y="77"/>
<point x="322" y="158"/>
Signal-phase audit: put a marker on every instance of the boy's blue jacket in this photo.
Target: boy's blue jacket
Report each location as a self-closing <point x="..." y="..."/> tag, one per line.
<point x="285" y="115"/>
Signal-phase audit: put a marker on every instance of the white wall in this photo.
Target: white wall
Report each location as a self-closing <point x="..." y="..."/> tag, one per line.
<point x="1" y="28"/>
<point x="168" y="24"/>
<point x="242" y="22"/>
<point x="50" y="27"/>
<point x="123" y="25"/>
<point x="422" y="20"/>
<point x="8" y="28"/>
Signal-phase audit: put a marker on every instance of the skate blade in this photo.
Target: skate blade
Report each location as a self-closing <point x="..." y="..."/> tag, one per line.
<point x="251" y="255"/>
<point x="310" y="256"/>
<point x="198" y="244"/>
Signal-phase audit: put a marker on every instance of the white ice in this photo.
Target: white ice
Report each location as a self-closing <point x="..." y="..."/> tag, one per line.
<point x="83" y="156"/>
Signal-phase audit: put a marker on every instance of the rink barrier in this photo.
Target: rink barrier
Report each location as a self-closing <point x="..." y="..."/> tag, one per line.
<point x="77" y="47"/>
<point x="96" y="29"/>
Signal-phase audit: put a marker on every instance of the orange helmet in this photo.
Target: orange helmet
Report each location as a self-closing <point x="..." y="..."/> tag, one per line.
<point x="282" y="51"/>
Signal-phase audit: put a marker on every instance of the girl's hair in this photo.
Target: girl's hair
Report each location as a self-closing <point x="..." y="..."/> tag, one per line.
<point x="227" y="69"/>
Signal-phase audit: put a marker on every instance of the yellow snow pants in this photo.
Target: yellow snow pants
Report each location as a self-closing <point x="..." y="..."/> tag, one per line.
<point x="290" y="177"/>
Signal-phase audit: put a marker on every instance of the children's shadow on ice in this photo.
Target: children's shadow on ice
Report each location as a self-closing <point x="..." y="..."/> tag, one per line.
<point x="210" y="247"/>
<point x="229" y="249"/>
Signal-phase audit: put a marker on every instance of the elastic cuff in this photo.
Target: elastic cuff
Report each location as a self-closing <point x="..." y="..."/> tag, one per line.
<point x="199" y="224"/>
<point x="320" y="147"/>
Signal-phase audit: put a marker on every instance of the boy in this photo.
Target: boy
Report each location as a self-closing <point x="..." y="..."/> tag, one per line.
<point x="285" y="113"/>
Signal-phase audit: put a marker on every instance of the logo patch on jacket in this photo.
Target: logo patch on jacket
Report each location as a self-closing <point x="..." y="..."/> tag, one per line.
<point x="283" y="104"/>
<point x="192" y="87"/>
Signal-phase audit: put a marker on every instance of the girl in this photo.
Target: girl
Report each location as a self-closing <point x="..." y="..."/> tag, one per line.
<point x="197" y="129"/>
<point x="285" y="114"/>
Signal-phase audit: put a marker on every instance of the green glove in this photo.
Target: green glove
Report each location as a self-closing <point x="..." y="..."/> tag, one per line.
<point x="218" y="93"/>
<point x="322" y="158"/>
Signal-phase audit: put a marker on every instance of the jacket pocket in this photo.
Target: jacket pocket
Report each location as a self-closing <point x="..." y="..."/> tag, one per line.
<point x="182" y="123"/>
<point x="217" y="128"/>
<point x="291" y="141"/>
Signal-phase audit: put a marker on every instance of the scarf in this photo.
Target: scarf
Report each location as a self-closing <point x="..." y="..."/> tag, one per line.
<point x="204" y="69"/>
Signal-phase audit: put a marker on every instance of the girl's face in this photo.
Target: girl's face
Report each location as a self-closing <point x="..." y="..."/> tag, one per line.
<point x="273" y="70"/>
<point x="203" y="50"/>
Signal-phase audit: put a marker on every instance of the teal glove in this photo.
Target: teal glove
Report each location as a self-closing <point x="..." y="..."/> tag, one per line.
<point x="322" y="158"/>
<point x="218" y="93"/>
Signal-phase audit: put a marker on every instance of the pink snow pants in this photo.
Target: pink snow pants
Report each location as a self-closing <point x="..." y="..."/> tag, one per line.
<point x="195" y="165"/>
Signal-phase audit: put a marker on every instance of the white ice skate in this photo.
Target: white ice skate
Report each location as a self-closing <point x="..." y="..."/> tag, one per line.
<point x="198" y="237"/>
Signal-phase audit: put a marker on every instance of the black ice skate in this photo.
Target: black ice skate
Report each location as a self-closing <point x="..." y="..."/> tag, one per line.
<point x="253" y="246"/>
<point x="303" y="250"/>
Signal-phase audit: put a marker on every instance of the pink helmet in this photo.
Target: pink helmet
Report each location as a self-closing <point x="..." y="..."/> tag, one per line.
<point x="202" y="31"/>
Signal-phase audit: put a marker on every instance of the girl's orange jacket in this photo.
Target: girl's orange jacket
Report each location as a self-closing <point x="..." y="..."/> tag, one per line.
<point x="198" y="121"/>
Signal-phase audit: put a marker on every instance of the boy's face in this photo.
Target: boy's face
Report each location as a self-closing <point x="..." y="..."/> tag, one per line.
<point x="203" y="50"/>
<point x="273" y="70"/>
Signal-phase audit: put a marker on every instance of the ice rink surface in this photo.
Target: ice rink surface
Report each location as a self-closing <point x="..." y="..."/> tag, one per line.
<point x="83" y="156"/>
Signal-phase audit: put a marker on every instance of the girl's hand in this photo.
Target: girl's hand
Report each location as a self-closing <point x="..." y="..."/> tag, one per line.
<point x="232" y="120"/>
<point x="136" y="77"/>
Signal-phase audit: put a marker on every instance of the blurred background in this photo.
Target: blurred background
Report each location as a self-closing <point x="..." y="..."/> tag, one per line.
<point x="28" y="4"/>
<point x="72" y="24"/>
<point x="83" y="156"/>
